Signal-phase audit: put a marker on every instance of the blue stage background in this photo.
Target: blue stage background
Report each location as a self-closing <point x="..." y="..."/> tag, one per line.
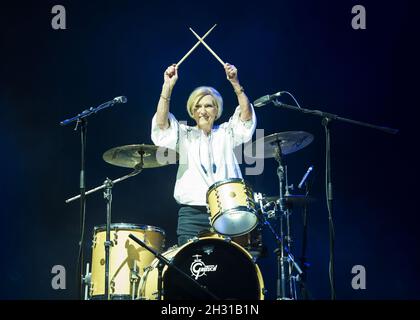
<point x="113" y="48"/>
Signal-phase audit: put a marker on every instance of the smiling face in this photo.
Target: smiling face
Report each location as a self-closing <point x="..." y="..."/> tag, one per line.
<point x="205" y="113"/>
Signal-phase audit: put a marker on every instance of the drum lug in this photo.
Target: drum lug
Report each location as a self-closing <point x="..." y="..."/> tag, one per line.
<point x="134" y="275"/>
<point x="155" y="295"/>
<point x="87" y="279"/>
<point x="147" y="269"/>
<point x="219" y="204"/>
<point x="91" y="289"/>
<point x="134" y="279"/>
<point x="227" y="239"/>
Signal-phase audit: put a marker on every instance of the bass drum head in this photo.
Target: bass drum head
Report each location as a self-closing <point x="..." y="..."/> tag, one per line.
<point x="224" y="268"/>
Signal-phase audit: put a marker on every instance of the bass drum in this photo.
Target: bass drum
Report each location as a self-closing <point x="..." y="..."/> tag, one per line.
<point x="223" y="267"/>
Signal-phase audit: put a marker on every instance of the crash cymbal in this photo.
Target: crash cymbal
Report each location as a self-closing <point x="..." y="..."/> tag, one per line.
<point x="140" y="156"/>
<point x="292" y="199"/>
<point x="289" y="141"/>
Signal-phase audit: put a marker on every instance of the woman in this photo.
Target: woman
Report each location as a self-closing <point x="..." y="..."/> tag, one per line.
<point x="205" y="150"/>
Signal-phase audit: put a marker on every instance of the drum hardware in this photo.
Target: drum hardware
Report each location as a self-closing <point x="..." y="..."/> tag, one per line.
<point x="160" y="280"/>
<point x="134" y="279"/>
<point x="283" y="254"/>
<point x="137" y="157"/>
<point x="163" y="261"/>
<point x="291" y="200"/>
<point x="87" y="281"/>
<point x="327" y="118"/>
<point x="107" y="185"/>
<point x="283" y="213"/>
<point x="276" y="146"/>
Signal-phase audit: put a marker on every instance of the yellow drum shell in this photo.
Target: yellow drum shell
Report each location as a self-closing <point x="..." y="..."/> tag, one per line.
<point x="125" y="256"/>
<point x="231" y="207"/>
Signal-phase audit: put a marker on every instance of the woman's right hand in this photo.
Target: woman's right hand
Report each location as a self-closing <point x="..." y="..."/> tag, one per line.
<point x="171" y="76"/>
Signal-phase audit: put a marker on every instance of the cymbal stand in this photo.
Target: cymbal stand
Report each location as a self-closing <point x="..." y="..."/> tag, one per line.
<point x="108" y="197"/>
<point x="283" y="255"/>
<point x="281" y="260"/>
<point x="107" y="185"/>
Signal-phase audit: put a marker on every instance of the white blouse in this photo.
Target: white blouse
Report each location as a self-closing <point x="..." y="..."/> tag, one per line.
<point x="203" y="160"/>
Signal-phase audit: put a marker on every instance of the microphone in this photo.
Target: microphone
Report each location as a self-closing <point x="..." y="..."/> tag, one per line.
<point x="120" y="99"/>
<point x="266" y="99"/>
<point x="305" y="177"/>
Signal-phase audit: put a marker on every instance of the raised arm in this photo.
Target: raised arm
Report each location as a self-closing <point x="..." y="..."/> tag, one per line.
<point x="170" y="77"/>
<point x="232" y="76"/>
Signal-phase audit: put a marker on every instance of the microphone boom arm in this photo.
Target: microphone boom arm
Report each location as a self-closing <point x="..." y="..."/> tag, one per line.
<point x="331" y="116"/>
<point x="86" y="113"/>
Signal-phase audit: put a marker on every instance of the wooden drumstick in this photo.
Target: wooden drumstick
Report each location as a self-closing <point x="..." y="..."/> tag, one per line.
<point x="195" y="46"/>
<point x="208" y="48"/>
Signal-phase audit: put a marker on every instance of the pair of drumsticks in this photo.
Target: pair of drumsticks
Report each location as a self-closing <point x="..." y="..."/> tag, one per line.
<point x="201" y="40"/>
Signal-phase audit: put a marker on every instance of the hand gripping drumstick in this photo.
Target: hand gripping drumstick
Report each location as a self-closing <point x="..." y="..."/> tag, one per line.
<point x="208" y="48"/>
<point x="195" y="46"/>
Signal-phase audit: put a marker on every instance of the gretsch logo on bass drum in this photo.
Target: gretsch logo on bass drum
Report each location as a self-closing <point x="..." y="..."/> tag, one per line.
<point x="198" y="268"/>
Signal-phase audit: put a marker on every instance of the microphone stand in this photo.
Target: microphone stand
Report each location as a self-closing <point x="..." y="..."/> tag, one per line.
<point x="81" y="119"/>
<point x="327" y="118"/>
<point x="305" y="265"/>
<point x="164" y="261"/>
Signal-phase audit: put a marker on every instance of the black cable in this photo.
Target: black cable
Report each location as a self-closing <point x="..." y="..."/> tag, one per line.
<point x="329" y="196"/>
<point x="80" y="257"/>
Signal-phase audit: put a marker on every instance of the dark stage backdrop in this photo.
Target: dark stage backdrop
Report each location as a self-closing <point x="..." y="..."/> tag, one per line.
<point x="113" y="48"/>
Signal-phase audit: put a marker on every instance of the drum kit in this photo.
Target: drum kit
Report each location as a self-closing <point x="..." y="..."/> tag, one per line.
<point x="131" y="262"/>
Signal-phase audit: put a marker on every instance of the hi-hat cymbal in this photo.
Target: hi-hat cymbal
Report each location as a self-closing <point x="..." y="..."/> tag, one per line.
<point x="289" y="141"/>
<point x="292" y="199"/>
<point x="140" y="156"/>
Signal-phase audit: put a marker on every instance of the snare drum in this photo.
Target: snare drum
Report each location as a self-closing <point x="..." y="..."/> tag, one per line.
<point x="223" y="267"/>
<point x="231" y="207"/>
<point x="127" y="259"/>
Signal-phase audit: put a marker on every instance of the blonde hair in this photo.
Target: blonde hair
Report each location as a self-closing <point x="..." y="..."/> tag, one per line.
<point x="199" y="93"/>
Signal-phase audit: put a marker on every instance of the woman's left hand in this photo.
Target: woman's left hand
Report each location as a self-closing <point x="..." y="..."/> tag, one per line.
<point x="231" y="72"/>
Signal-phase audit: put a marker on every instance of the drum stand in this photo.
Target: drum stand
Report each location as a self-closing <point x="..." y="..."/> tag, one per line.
<point x="108" y="197"/>
<point x="108" y="184"/>
<point x="284" y="257"/>
<point x="164" y="261"/>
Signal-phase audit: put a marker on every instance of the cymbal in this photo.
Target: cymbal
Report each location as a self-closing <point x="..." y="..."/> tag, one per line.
<point x="292" y="199"/>
<point x="139" y="156"/>
<point x="289" y="141"/>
